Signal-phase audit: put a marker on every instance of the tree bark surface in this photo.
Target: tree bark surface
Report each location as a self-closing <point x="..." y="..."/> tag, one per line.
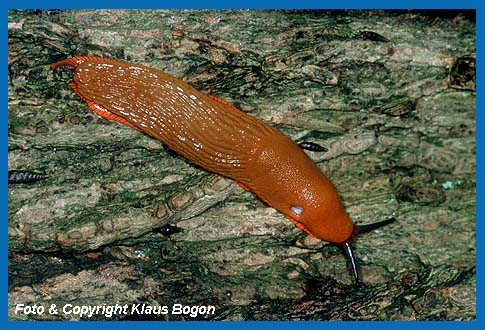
<point x="397" y="117"/>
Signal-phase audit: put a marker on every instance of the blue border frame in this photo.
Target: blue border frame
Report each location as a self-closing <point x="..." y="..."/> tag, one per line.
<point x="141" y="4"/>
<point x="247" y="4"/>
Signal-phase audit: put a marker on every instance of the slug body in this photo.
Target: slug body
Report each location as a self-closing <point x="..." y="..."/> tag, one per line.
<point x="215" y="135"/>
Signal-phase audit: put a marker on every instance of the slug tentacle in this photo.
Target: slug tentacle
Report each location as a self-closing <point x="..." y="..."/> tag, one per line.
<point x="347" y="246"/>
<point x="349" y="253"/>
<point x="372" y="226"/>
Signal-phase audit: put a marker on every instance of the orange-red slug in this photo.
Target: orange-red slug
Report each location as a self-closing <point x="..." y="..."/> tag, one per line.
<point x="219" y="137"/>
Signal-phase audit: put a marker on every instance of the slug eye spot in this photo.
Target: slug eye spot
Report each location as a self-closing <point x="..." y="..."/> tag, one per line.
<point x="297" y="210"/>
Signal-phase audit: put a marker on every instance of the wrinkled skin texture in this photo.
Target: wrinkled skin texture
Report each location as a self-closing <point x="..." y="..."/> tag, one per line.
<point x="215" y="135"/>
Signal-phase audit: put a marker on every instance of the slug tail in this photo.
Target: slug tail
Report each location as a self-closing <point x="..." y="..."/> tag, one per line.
<point x="77" y="60"/>
<point x="69" y="65"/>
<point x="103" y="112"/>
<point x="109" y="115"/>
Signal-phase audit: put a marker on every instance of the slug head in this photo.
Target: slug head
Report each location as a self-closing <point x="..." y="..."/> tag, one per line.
<point x="285" y="178"/>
